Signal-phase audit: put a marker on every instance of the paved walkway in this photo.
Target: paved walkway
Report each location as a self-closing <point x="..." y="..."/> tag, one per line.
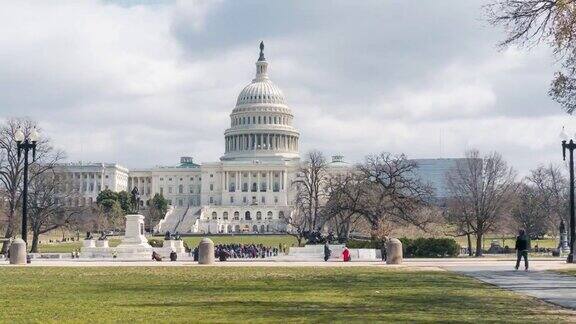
<point x="549" y="286"/>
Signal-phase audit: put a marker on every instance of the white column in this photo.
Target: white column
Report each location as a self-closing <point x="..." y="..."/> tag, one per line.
<point x="237" y="181"/>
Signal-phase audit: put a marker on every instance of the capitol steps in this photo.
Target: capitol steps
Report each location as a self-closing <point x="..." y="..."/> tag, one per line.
<point x="171" y="219"/>
<point x="188" y="219"/>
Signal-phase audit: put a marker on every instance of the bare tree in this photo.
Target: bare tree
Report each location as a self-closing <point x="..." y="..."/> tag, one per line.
<point x="392" y="191"/>
<point x="311" y="190"/>
<point x="531" y="22"/>
<point x="11" y="168"/>
<point x="529" y="210"/>
<point x="47" y="208"/>
<point x="552" y="184"/>
<point x="482" y="188"/>
<point x="344" y="196"/>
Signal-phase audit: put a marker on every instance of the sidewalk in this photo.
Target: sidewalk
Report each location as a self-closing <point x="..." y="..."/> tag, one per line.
<point x="549" y="286"/>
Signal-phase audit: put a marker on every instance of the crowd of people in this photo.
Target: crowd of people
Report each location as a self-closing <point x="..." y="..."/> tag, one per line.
<point x="242" y="251"/>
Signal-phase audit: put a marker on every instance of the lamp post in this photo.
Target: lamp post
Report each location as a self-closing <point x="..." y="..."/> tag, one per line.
<point x="26" y="143"/>
<point x="570" y="146"/>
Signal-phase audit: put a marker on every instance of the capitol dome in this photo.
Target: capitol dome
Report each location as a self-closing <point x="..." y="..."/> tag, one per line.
<point x="261" y="123"/>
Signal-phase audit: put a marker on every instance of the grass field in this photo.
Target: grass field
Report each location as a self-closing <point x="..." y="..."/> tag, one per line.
<point x="231" y="294"/>
<point x="510" y="241"/>
<point x="268" y="240"/>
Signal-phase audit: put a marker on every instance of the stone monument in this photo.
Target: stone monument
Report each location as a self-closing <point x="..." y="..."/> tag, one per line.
<point x="18" y="251"/>
<point x="206" y="251"/>
<point x="393" y="251"/>
<point x="134" y="244"/>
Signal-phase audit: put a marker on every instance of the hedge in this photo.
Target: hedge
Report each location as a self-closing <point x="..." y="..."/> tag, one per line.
<point x="430" y="247"/>
<point x="416" y="248"/>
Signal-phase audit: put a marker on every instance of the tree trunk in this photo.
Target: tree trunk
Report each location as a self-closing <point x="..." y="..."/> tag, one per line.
<point x="469" y="244"/>
<point x="35" y="237"/>
<point x="479" y="244"/>
<point x="9" y="233"/>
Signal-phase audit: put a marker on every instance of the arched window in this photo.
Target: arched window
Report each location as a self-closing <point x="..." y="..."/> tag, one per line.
<point x="267" y="228"/>
<point x="259" y="215"/>
<point x="180" y="189"/>
<point x="229" y="228"/>
<point x="281" y="214"/>
<point x="255" y="228"/>
<point x="214" y="215"/>
<point x="269" y="215"/>
<point x="254" y="187"/>
<point x="237" y="228"/>
<point x="247" y="216"/>
<point x="225" y="215"/>
<point x="236" y="215"/>
<point x="245" y="187"/>
<point x="261" y="228"/>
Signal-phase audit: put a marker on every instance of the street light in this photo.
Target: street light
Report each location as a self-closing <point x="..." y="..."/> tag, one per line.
<point x="25" y="144"/>
<point x="570" y="146"/>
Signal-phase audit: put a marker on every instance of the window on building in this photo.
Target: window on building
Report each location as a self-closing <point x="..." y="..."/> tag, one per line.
<point x="180" y="189"/>
<point x="231" y="199"/>
<point x="180" y="202"/>
<point x="214" y="215"/>
<point x="211" y="187"/>
<point x="244" y="199"/>
<point x="211" y="176"/>
<point x="276" y="187"/>
<point x="281" y="214"/>
<point x="191" y="189"/>
<point x="254" y="187"/>
<point x="169" y="179"/>
<point x="263" y="199"/>
<point x="211" y="200"/>
<point x="269" y="215"/>
<point x="276" y="199"/>
<point x="161" y="179"/>
<point x="236" y="215"/>
<point x="169" y="190"/>
<point x="169" y="201"/>
<point x="247" y="216"/>
<point x="161" y="190"/>
<point x="232" y="187"/>
<point x="258" y="215"/>
<point x="225" y="215"/>
<point x="263" y="186"/>
<point x="245" y="187"/>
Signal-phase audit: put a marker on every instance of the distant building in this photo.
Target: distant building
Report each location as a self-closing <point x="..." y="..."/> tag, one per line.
<point x="248" y="190"/>
<point x="435" y="171"/>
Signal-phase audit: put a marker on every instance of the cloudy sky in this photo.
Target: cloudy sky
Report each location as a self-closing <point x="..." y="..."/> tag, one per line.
<point x="144" y="82"/>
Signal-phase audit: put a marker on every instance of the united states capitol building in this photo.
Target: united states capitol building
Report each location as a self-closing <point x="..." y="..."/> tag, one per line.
<point x="248" y="190"/>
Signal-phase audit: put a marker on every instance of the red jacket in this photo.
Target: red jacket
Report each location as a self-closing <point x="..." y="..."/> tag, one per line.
<point x="346" y="255"/>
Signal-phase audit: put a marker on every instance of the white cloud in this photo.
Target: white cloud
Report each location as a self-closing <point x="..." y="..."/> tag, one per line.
<point x="142" y="85"/>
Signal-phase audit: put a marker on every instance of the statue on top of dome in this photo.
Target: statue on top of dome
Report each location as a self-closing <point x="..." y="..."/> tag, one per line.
<point x="261" y="58"/>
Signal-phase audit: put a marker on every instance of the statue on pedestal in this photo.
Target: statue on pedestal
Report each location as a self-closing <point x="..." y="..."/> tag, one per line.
<point x="89" y="236"/>
<point x="135" y="203"/>
<point x="103" y="236"/>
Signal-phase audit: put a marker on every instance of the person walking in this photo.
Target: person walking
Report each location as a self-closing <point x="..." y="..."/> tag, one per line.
<point x="327" y="251"/>
<point x="522" y="244"/>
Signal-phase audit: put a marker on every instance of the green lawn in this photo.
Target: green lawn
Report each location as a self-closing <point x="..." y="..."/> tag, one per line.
<point x="268" y="240"/>
<point x="510" y="241"/>
<point x="254" y="294"/>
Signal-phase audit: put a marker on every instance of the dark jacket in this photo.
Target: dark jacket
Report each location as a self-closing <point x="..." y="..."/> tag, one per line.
<point x="522" y="243"/>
